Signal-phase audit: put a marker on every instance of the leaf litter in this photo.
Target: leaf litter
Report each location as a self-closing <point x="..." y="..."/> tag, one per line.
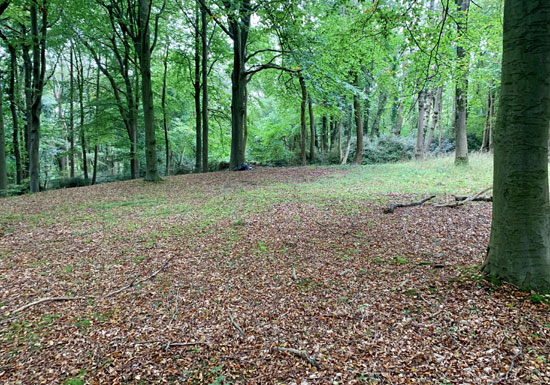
<point x="259" y="283"/>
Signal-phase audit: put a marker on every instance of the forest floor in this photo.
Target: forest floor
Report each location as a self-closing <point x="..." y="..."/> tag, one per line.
<point x="211" y="278"/>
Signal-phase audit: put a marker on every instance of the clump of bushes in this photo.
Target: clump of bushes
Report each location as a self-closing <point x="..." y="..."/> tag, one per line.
<point x="388" y="149"/>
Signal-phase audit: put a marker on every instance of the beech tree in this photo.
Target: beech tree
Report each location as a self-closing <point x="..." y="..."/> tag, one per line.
<point x="519" y="246"/>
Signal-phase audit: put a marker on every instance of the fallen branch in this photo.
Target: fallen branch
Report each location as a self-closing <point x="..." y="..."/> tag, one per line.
<point x="507" y="374"/>
<point x="301" y="354"/>
<point x="239" y="329"/>
<point x="468" y="199"/>
<point x="393" y="206"/>
<point x="478" y="199"/>
<point x="168" y="344"/>
<point x="48" y="299"/>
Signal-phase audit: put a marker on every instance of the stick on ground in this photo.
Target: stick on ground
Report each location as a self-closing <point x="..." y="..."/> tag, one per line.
<point x="392" y="206"/>
<point x="301" y="354"/>
<point x="468" y="199"/>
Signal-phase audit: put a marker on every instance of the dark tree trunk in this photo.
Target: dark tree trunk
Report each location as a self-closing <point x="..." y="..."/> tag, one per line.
<point x="3" y="170"/>
<point x="420" y="125"/>
<point x="80" y="85"/>
<point x="461" y="154"/>
<point x="486" y="125"/>
<point x="399" y="123"/>
<point x="379" y="111"/>
<point x="164" y="114"/>
<point x="197" y="95"/>
<point x="71" y="111"/>
<point x="324" y="132"/>
<point x="38" y="75"/>
<point x="311" y="131"/>
<point x="27" y="70"/>
<point x="519" y="246"/>
<point x="14" y="117"/>
<point x="151" y="172"/>
<point x="435" y="119"/>
<point x="303" y="132"/>
<point x="94" y="172"/>
<point x="205" y="124"/>
<point x="359" y="129"/>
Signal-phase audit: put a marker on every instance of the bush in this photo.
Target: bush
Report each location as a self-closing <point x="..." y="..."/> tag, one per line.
<point x="68" y="183"/>
<point x="388" y="149"/>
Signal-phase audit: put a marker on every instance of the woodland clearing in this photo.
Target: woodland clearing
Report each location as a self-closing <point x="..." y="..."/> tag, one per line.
<point x="273" y="276"/>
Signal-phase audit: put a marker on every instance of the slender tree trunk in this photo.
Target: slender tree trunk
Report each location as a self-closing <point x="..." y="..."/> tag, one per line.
<point x="94" y="172"/>
<point x="303" y="132"/>
<point x="13" y="108"/>
<point x="379" y="111"/>
<point x="519" y="246"/>
<point x="245" y="120"/>
<point x="164" y="114"/>
<point x="38" y="75"/>
<point x="420" y="126"/>
<point x="485" y="140"/>
<point x="435" y="119"/>
<point x="324" y="131"/>
<point x="461" y="154"/>
<point x="71" y="111"/>
<point x="311" y="131"/>
<point x="80" y="85"/>
<point x="399" y="123"/>
<point x="27" y="70"/>
<point x="205" y="124"/>
<point x="340" y="126"/>
<point x="358" y="128"/>
<point x="197" y="87"/>
<point x="3" y="170"/>
<point x="492" y="122"/>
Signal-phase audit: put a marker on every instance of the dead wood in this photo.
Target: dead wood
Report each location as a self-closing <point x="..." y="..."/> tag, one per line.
<point x="235" y="324"/>
<point x="301" y="354"/>
<point x="478" y="199"/>
<point x="48" y="299"/>
<point x="507" y="374"/>
<point x="468" y="199"/>
<point x="393" y="206"/>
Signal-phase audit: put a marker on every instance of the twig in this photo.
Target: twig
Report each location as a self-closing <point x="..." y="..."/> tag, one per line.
<point x="507" y="374"/>
<point x="170" y="343"/>
<point x="239" y="329"/>
<point x="460" y="203"/>
<point x="300" y="353"/>
<point x="175" y="309"/>
<point x="391" y="207"/>
<point x="48" y="299"/>
<point x="478" y="199"/>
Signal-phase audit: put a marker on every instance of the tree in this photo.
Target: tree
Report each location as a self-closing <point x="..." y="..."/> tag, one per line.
<point x="519" y="246"/>
<point x="3" y="173"/>
<point x="461" y="153"/>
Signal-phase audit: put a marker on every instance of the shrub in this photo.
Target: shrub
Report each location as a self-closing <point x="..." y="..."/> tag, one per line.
<point x="388" y="149"/>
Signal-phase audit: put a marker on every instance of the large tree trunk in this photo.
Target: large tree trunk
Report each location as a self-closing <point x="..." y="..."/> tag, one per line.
<point x="461" y="153"/>
<point x="435" y="119"/>
<point x="205" y="125"/>
<point x="14" y="116"/>
<point x="519" y="247"/>
<point x="3" y="171"/>
<point x="311" y="131"/>
<point x="27" y="71"/>
<point x="238" y="90"/>
<point x="80" y="85"/>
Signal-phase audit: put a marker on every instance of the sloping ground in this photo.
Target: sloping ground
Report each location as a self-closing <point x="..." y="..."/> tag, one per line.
<point x="258" y="261"/>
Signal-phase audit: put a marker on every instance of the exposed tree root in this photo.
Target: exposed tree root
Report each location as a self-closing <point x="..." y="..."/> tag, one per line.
<point x="393" y="206"/>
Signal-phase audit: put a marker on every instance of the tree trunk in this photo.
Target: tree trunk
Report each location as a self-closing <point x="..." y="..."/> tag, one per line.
<point x="486" y="128"/>
<point x="399" y="123"/>
<point x="151" y="172"/>
<point x="197" y="95"/>
<point x="80" y="85"/>
<point x="324" y="131"/>
<point x="358" y="127"/>
<point x="245" y="120"/>
<point x="311" y="131"/>
<point x="3" y="170"/>
<point x="205" y="124"/>
<point x="27" y="70"/>
<point x="420" y="125"/>
<point x="71" y="112"/>
<point x="38" y="75"/>
<point x="492" y="122"/>
<point x="303" y="132"/>
<point x="519" y="246"/>
<point x="340" y="126"/>
<point x="94" y="172"/>
<point x="461" y="154"/>
<point x="14" y="117"/>
<point x="379" y="111"/>
<point x="435" y="119"/>
<point x="164" y="114"/>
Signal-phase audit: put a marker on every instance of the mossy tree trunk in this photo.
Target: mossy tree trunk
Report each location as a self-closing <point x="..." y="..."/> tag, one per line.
<point x="519" y="247"/>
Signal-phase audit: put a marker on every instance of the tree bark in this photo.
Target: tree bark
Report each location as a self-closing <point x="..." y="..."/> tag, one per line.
<point x="205" y="124"/>
<point x="379" y="111"/>
<point x="3" y="170"/>
<point x="27" y="71"/>
<point x="14" y="117"/>
<point x="420" y="125"/>
<point x="71" y="112"/>
<point x="519" y="246"/>
<point x="197" y="95"/>
<point x="151" y="172"/>
<point x="435" y="119"/>
<point x="80" y="85"/>
<point x="399" y="123"/>
<point x="461" y="96"/>
<point x="311" y="131"/>
<point x="303" y="132"/>
<point x="340" y="126"/>
<point x="165" y="115"/>
<point x="358" y="127"/>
